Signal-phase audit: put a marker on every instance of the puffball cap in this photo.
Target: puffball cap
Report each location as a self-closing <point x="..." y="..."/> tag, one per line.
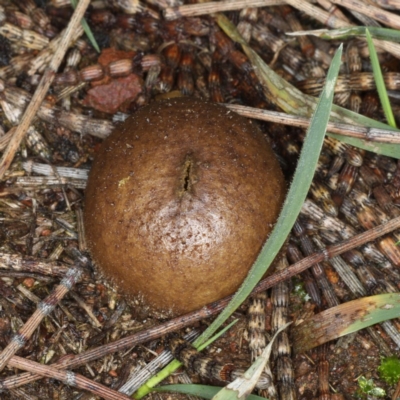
<point x="179" y="201"/>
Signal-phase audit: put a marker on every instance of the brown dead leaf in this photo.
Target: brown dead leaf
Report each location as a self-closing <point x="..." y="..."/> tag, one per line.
<point x="114" y="96"/>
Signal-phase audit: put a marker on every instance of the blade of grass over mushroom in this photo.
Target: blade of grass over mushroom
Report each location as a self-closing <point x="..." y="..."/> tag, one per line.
<point x="293" y="101"/>
<point x="380" y="84"/>
<point x="241" y="387"/>
<point x="204" y="391"/>
<point x="291" y="208"/>
<point x="344" y="319"/>
<point x="174" y="365"/>
<point x="87" y="29"/>
<point x="345" y="33"/>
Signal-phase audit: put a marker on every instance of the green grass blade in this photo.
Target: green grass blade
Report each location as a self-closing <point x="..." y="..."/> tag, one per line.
<point x="293" y="101"/>
<point x="297" y="193"/>
<point x="204" y="391"/>
<point x="87" y="29"/>
<point x="380" y="84"/>
<point x="294" y="199"/>
<point x="216" y="336"/>
<point x="148" y="387"/>
<point x="174" y="365"/>
<point x="392" y="35"/>
<point x="344" y="319"/>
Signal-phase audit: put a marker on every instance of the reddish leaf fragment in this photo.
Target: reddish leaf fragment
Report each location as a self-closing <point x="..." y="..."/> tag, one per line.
<point x="117" y="94"/>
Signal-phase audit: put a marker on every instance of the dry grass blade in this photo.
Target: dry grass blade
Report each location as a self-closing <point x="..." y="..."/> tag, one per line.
<point x="241" y="387"/>
<point x="344" y="319"/>
<point x="42" y="89"/>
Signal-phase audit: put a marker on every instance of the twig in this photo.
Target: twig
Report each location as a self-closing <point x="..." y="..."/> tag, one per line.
<point x="333" y="10"/>
<point x="326" y="18"/>
<point x="29" y="264"/>
<point x="80" y="229"/>
<point x="380" y="15"/>
<point x="192" y="10"/>
<point x="42" y="89"/>
<point x="23" y="275"/>
<point x="208" y="310"/>
<point x="49" y="170"/>
<point x="390" y="4"/>
<point x="44" y="308"/>
<point x="369" y="134"/>
<point x="68" y="377"/>
<point x="40" y="182"/>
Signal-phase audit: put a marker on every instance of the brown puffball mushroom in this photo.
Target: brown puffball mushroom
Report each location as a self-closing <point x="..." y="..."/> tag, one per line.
<point x="180" y="199"/>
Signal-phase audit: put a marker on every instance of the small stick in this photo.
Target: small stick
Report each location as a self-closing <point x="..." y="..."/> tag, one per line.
<point x="208" y="310"/>
<point x="192" y="10"/>
<point x="332" y="9"/>
<point x="361" y="132"/>
<point x="29" y="264"/>
<point x="395" y="5"/>
<point x="40" y="182"/>
<point x="386" y="17"/>
<point x="68" y="377"/>
<point x="50" y="170"/>
<point x="23" y="275"/>
<point x="326" y="18"/>
<point x="42" y="89"/>
<point x="44" y="308"/>
<point x="81" y="230"/>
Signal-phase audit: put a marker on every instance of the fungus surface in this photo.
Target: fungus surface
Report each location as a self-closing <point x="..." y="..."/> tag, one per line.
<point x="180" y="199"/>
